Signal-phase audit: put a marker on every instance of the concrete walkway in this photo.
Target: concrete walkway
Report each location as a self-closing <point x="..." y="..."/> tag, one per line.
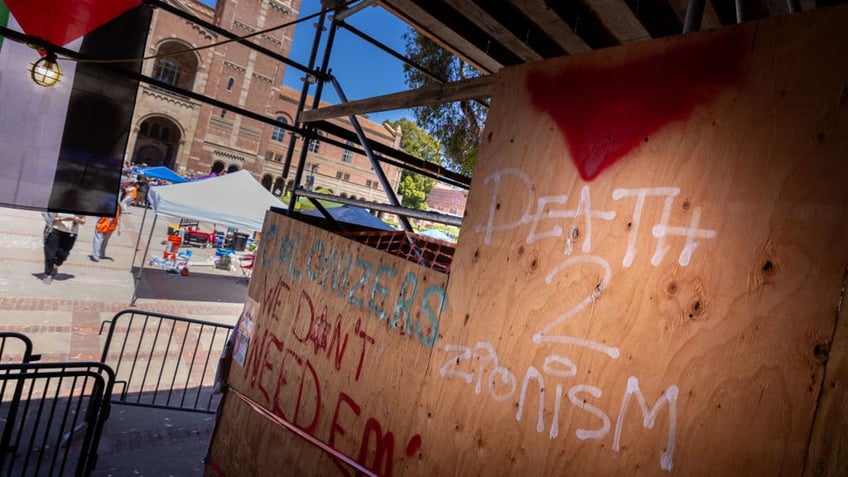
<point x="63" y="320"/>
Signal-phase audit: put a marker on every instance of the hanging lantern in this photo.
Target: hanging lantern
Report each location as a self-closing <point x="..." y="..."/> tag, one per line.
<point x="45" y="72"/>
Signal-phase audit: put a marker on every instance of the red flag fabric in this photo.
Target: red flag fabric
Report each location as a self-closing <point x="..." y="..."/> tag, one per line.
<point x="602" y="121"/>
<point x="63" y="21"/>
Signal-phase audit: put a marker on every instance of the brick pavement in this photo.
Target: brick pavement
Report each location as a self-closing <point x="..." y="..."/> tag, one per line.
<point x="63" y="320"/>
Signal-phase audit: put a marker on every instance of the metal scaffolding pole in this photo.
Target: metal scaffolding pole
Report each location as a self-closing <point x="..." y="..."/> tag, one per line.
<point x="694" y="14"/>
<point x="391" y="209"/>
<point x="794" y="6"/>
<point x="316" y="101"/>
<point x="304" y="93"/>
<point x="360" y="133"/>
<point x="406" y="60"/>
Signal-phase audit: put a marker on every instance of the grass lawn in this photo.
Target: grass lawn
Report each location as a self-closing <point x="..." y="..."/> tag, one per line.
<point x="303" y="203"/>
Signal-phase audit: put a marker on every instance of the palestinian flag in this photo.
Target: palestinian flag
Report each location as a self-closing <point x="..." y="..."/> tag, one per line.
<point x="4" y="19"/>
<point x="62" y="147"/>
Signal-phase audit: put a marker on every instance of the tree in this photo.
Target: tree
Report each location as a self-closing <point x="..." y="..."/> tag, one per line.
<point x="416" y="142"/>
<point x="458" y="126"/>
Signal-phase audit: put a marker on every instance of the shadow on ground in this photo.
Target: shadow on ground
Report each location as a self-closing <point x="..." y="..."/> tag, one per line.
<point x="141" y="441"/>
<point x="59" y="276"/>
<point x="144" y="441"/>
<point x="161" y="285"/>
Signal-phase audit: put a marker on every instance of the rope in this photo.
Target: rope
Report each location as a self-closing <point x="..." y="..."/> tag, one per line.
<point x="301" y="433"/>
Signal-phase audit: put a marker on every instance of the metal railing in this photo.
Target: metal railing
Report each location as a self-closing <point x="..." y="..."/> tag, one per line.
<point x="16" y="347"/>
<point x="164" y="361"/>
<point x="54" y="415"/>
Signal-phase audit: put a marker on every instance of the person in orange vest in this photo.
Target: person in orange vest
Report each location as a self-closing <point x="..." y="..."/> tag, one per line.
<point x="102" y="231"/>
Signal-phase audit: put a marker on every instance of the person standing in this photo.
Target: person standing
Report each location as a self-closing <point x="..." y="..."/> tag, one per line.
<point x="102" y="231"/>
<point x="60" y="234"/>
<point x="129" y="197"/>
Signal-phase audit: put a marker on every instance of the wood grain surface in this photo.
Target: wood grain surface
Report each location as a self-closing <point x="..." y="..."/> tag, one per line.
<point x="671" y="309"/>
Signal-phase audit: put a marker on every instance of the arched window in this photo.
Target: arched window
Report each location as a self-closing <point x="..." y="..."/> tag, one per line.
<point x="230" y="83"/>
<point x="175" y="65"/>
<point x="279" y="187"/>
<point x="279" y="133"/>
<point x="167" y="71"/>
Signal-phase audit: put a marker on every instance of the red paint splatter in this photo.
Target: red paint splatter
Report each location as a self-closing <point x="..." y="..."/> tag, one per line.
<point x="63" y="21"/>
<point x="413" y="446"/>
<point x="605" y="112"/>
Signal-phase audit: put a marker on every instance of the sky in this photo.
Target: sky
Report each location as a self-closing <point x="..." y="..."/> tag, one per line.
<point x="362" y="70"/>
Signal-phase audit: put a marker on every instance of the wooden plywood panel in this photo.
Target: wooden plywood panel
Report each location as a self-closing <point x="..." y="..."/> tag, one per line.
<point x="647" y="282"/>
<point x="663" y="306"/>
<point x="338" y="349"/>
<point x="829" y="442"/>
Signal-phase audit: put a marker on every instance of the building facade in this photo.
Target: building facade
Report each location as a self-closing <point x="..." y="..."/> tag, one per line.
<point x="194" y="138"/>
<point x="447" y="200"/>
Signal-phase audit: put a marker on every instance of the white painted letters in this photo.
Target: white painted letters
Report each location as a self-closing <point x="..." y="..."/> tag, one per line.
<point x="668" y="397"/>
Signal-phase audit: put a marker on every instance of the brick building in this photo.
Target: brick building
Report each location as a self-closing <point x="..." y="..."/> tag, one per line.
<point x="192" y="137"/>
<point x="447" y="200"/>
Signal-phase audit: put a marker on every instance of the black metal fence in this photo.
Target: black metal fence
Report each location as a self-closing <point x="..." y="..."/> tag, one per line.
<point x="164" y="361"/>
<point x="16" y="348"/>
<point x="52" y="416"/>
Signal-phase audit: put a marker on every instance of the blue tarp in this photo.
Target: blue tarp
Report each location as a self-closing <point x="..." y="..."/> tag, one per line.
<point x="436" y="234"/>
<point x="160" y="172"/>
<point x="352" y="215"/>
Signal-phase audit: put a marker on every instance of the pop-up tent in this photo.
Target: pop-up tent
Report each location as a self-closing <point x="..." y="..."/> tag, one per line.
<point x="160" y="172"/>
<point x="233" y="200"/>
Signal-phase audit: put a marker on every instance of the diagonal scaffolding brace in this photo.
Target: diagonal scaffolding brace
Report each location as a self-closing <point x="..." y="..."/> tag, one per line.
<point x="363" y="141"/>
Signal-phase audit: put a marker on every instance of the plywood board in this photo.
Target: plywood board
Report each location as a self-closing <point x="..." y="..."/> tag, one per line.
<point x="651" y="259"/>
<point x="829" y="442"/>
<point x="338" y="348"/>
<point x="646" y="282"/>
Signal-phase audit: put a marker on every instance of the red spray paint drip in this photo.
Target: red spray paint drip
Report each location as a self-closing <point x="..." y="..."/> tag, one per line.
<point x="413" y="445"/>
<point x="605" y="112"/>
<point x="63" y="21"/>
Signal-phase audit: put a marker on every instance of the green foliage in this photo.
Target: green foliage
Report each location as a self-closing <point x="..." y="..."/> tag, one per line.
<point x="458" y="126"/>
<point x="416" y="142"/>
<point x="414" y="189"/>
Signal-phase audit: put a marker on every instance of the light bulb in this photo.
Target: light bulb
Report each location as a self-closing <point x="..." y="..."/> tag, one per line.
<point x="45" y="72"/>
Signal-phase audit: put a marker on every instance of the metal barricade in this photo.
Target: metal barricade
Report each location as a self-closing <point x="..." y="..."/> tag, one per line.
<point x="16" y="348"/>
<point x="164" y="361"/>
<point x="54" y="415"/>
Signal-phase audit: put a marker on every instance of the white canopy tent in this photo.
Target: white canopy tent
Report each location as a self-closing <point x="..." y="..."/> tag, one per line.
<point x="234" y="200"/>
